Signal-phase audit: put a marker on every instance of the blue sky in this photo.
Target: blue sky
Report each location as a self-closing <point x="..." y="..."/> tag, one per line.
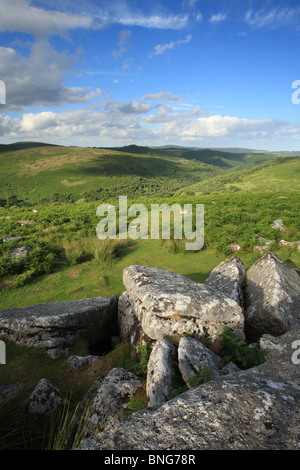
<point x="203" y="73"/>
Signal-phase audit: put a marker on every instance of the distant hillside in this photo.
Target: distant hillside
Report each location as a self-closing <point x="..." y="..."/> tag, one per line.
<point x="280" y="175"/>
<point x="233" y="158"/>
<point x="23" y="146"/>
<point x="33" y="172"/>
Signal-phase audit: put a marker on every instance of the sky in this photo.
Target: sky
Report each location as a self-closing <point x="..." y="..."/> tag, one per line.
<point x="105" y="73"/>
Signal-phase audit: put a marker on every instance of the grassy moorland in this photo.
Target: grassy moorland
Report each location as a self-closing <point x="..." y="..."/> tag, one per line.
<point x="49" y="196"/>
<point x="38" y="173"/>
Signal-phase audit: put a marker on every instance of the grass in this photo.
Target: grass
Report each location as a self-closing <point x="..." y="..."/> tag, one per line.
<point x="51" y="172"/>
<point x="25" y="365"/>
<point x="32" y="173"/>
<point x="279" y="175"/>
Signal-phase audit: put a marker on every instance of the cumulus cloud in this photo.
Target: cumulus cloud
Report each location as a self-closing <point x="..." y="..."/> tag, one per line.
<point x="137" y="121"/>
<point x="19" y="15"/>
<point x="38" y="80"/>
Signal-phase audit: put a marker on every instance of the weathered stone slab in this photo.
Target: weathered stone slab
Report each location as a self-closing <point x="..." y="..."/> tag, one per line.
<point x="272" y="298"/>
<point x="256" y="409"/>
<point x="287" y="345"/>
<point x="6" y="391"/>
<point x="130" y="329"/>
<point x="77" y="362"/>
<point x="192" y="355"/>
<point x="57" y="326"/>
<point x="45" y="398"/>
<point x="229" y="277"/>
<point x="19" y="252"/>
<point x="107" y="397"/>
<point x="161" y="372"/>
<point x="168" y="304"/>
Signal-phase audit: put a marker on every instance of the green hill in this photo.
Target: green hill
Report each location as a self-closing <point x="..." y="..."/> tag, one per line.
<point x="283" y="174"/>
<point x="33" y="172"/>
<point x="36" y="173"/>
<point x="225" y="159"/>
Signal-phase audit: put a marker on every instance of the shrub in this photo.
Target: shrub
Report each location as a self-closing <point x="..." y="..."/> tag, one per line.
<point x="203" y="376"/>
<point x="240" y="352"/>
<point x="133" y="406"/>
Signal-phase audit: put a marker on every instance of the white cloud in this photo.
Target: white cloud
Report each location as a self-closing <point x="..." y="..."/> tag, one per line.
<point x="161" y="96"/>
<point x="161" y="48"/>
<point x="189" y="3"/>
<point x="274" y="18"/>
<point x="152" y="21"/>
<point x="130" y="107"/>
<point x="117" y="11"/>
<point x="124" y="36"/>
<point x="217" y="18"/>
<point x="120" y="123"/>
<point x="38" y="80"/>
<point x="19" y="15"/>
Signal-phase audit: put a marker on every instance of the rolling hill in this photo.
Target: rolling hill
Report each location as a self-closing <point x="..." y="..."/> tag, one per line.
<point x="33" y="172"/>
<point x="280" y="175"/>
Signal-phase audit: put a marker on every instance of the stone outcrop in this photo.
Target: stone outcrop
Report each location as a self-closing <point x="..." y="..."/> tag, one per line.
<point x="77" y="362"/>
<point x="19" y="252"/>
<point x="229" y="277"/>
<point x="106" y="400"/>
<point x="272" y="298"/>
<point x="161" y="372"/>
<point x="256" y="409"/>
<point x="57" y="326"/>
<point x="8" y="391"/>
<point x="193" y="355"/>
<point x="169" y="304"/>
<point x="45" y="399"/>
<point x="284" y="345"/>
<point x="130" y="329"/>
<point x="278" y="224"/>
<point x="249" y="409"/>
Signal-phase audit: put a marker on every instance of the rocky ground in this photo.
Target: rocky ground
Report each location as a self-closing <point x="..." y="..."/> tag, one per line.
<point x="256" y="408"/>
